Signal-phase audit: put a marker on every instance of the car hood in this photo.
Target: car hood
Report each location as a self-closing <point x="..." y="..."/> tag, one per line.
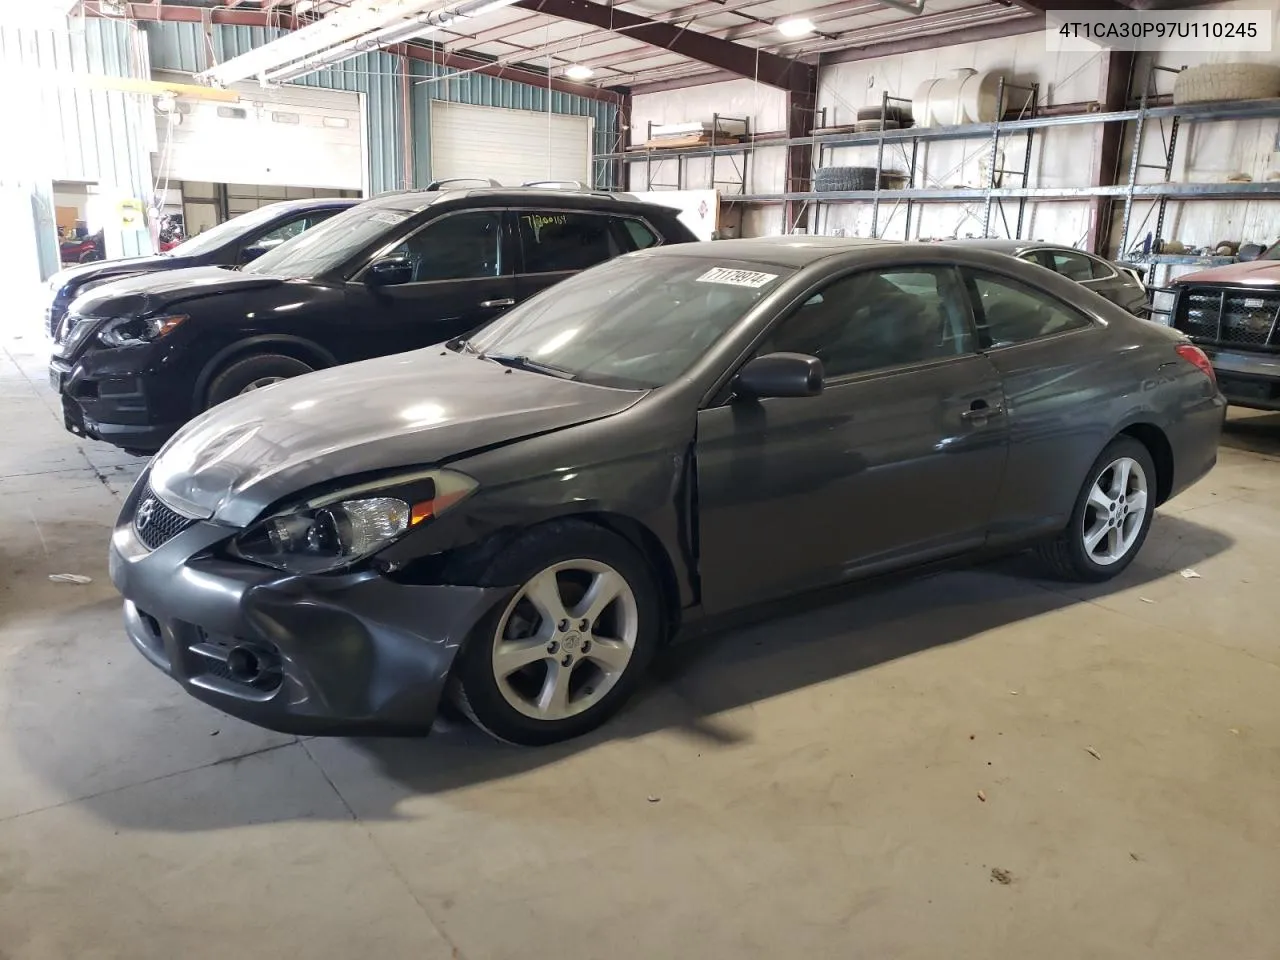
<point x="141" y="295"/>
<point x="1254" y="273"/>
<point x="426" y="407"/>
<point x="101" y="269"/>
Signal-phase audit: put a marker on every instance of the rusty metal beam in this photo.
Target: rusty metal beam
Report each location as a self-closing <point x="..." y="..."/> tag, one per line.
<point x="1113" y="95"/>
<point x="767" y="68"/>
<point x="802" y="107"/>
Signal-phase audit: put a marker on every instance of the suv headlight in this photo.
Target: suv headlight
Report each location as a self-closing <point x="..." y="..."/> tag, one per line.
<point x="337" y="530"/>
<point x="127" y="331"/>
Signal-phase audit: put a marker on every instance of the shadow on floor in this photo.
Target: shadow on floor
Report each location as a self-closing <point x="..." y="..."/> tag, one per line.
<point x="1258" y="433"/>
<point x="789" y="647"/>
<point x="785" y="648"/>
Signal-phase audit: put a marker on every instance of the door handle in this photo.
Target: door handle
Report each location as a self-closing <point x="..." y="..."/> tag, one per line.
<point x="505" y="302"/>
<point x="981" y="410"/>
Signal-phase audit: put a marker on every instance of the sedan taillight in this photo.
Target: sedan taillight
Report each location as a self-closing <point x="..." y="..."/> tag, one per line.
<point x="1195" y="356"/>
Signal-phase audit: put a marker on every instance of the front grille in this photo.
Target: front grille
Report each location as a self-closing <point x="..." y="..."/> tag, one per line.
<point x="156" y="524"/>
<point x="1232" y="318"/>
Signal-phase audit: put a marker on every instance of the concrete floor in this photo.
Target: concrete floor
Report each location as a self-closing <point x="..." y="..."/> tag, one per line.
<point x="810" y="786"/>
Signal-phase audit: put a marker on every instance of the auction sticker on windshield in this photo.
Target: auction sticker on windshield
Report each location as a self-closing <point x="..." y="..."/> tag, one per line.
<point x="736" y="278"/>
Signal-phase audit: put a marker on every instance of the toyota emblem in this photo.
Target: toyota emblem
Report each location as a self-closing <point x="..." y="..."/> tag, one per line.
<point x="144" y="513"/>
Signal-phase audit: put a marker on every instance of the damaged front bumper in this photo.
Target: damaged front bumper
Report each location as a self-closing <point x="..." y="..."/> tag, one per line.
<point x="346" y="654"/>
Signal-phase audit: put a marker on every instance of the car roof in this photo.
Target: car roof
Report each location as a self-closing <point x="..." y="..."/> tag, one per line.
<point x="1012" y="247"/>
<point x="313" y="203"/>
<point x="795" y="250"/>
<point x="412" y="201"/>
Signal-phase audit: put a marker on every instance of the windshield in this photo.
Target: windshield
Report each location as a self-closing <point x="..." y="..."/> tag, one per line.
<point x="635" y="323"/>
<point x="329" y="244"/>
<point x="1272" y="253"/>
<point x="215" y="236"/>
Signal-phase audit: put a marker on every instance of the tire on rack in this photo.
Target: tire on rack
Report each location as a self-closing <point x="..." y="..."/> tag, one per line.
<point x="1111" y="517"/>
<point x="571" y="645"/>
<point x="1226" y="81"/>
<point x="245" y="374"/>
<point x="831" y="179"/>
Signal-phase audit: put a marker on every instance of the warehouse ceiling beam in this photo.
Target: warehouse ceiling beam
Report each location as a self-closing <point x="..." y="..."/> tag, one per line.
<point x="414" y="51"/>
<point x="767" y="68"/>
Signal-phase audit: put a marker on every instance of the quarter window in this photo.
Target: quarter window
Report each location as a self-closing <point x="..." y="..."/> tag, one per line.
<point x="1010" y="312"/>
<point x="639" y="235"/>
<point x="464" y="246"/>
<point x="1073" y="266"/>
<point x="873" y="320"/>
<point x="557" y="241"/>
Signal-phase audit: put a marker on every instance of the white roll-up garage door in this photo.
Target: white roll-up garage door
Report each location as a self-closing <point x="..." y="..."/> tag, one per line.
<point x="288" y="136"/>
<point x="510" y="146"/>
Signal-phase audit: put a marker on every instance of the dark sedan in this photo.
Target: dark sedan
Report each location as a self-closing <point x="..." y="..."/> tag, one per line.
<point x="235" y="241"/>
<point x="1117" y="283"/>
<point x="521" y="519"/>
<point x="141" y="357"/>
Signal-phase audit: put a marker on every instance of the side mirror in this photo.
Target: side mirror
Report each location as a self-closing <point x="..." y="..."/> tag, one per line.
<point x="389" y="271"/>
<point x="779" y="375"/>
<point x="252" y="252"/>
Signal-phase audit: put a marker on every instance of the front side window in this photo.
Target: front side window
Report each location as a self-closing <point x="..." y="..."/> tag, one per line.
<point x="556" y="241"/>
<point x="878" y="319"/>
<point x="464" y="246"/>
<point x="635" y="323"/>
<point x="1009" y="312"/>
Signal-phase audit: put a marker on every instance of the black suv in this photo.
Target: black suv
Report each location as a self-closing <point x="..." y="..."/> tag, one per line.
<point x="139" y="357"/>
<point x="236" y="241"/>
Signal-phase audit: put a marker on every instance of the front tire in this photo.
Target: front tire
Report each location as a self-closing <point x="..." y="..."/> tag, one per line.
<point x="1111" y="518"/>
<point x="570" y="647"/>
<point x="252" y="373"/>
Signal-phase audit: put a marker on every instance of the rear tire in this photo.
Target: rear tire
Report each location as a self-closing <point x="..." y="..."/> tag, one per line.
<point x="250" y="373"/>
<point x="1111" y="517"/>
<point x="570" y="647"/>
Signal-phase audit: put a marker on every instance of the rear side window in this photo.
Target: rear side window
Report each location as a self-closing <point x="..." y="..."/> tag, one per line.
<point x="1010" y="312"/>
<point x="638" y="233"/>
<point x="556" y="241"/>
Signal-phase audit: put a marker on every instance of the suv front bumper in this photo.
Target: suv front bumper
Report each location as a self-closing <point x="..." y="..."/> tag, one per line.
<point x="1247" y="379"/>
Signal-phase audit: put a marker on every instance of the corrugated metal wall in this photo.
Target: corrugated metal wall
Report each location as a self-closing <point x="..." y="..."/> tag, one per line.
<point x="69" y="131"/>
<point x="381" y="77"/>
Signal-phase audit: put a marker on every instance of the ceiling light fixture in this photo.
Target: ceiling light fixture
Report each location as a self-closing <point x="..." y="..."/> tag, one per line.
<point x="795" y="27"/>
<point x="578" y="71"/>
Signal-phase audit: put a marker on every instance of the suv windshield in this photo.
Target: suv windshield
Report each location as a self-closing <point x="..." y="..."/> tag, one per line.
<point x="637" y="322"/>
<point x="217" y="235"/>
<point x="329" y="244"/>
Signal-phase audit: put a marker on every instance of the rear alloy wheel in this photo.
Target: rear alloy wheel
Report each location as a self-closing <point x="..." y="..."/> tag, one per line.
<point x="1112" y="515"/>
<point x="568" y="648"/>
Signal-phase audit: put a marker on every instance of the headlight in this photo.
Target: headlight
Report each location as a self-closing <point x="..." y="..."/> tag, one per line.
<point x="336" y="531"/>
<point x="127" y="331"/>
<point x="1162" y="304"/>
<point x="72" y="332"/>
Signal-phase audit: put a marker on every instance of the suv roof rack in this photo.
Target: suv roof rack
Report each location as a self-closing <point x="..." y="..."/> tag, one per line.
<point x="571" y="184"/>
<point x="486" y="181"/>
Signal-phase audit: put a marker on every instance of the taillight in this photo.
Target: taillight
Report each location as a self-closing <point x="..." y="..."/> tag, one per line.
<point x="1195" y="356"/>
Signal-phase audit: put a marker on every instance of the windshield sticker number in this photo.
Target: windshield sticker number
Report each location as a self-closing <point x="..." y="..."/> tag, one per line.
<point x="388" y="218"/>
<point x="737" y="278"/>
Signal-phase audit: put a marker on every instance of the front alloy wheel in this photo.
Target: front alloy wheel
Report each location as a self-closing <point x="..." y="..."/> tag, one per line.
<point x="565" y="639"/>
<point x="572" y="642"/>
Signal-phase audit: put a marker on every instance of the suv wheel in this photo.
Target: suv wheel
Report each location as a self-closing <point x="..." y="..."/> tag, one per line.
<point x="252" y="373"/>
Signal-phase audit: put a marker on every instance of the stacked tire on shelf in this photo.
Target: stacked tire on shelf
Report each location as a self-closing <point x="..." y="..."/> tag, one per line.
<point x="870" y="119"/>
<point x="1227" y="81"/>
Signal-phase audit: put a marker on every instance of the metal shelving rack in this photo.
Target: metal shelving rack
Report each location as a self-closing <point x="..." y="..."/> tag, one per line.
<point x="655" y="157"/>
<point x="1128" y="192"/>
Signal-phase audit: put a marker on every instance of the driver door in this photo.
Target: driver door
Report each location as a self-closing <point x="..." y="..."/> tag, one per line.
<point x="462" y="277"/>
<point x="897" y="461"/>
